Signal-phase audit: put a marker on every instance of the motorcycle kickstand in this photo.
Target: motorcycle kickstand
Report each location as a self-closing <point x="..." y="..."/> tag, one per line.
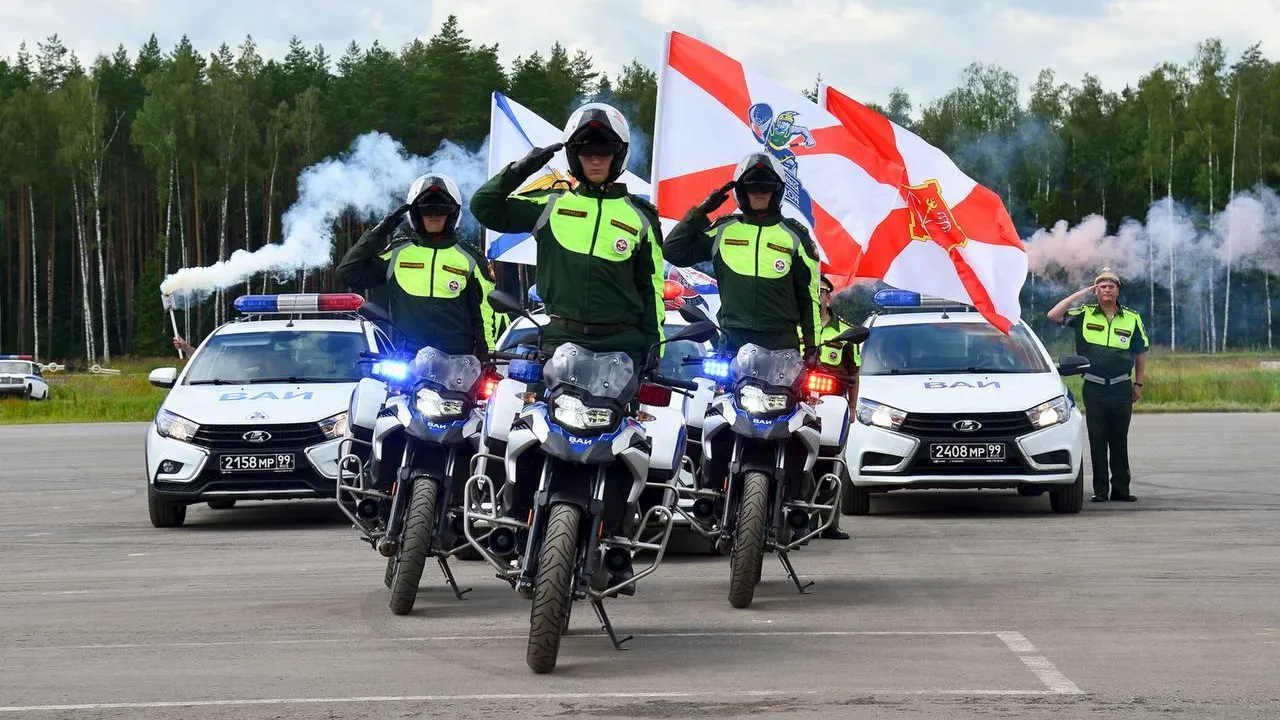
<point x="448" y="576"/>
<point x="791" y="573"/>
<point x="608" y="626"/>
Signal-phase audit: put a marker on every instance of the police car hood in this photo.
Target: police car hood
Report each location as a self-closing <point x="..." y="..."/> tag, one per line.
<point x="265" y="403"/>
<point x="947" y="393"/>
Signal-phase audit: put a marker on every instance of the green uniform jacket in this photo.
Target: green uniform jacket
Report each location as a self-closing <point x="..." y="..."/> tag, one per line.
<point x="1110" y="345"/>
<point x="766" y="267"/>
<point x="599" y="259"/>
<point x="845" y="357"/>
<point x="434" y="287"/>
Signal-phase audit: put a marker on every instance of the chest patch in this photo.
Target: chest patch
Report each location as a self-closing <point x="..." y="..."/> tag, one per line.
<point x="621" y="245"/>
<point x="780" y="265"/>
<point x="736" y="242"/>
<point x="571" y="213"/>
<point x="623" y="226"/>
<point x="778" y="248"/>
<point x="454" y="270"/>
<point x="412" y="266"/>
<point x="454" y="286"/>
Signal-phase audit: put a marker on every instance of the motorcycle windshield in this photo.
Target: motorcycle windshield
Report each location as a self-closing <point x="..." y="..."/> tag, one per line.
<point x="457" y="373"/>
<point x="599" y="374"/>
<point x="780" y="368"/>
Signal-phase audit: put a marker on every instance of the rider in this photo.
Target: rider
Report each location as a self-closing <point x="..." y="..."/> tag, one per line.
<point x="599" y="257"/>
<point x="435" y="281"/>
<point x="765" y="264"/>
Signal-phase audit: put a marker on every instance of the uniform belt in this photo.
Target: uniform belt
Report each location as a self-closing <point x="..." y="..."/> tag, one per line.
<point x="1090" y="377"/>
<point x="585" y="329"/>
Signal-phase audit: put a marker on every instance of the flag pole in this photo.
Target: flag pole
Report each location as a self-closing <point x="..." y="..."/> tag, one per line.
<point x="657" y="124"/>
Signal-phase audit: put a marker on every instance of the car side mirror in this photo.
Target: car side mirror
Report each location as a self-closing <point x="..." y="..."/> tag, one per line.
<point x="503" y="302"/>
<point x="163" y="377"/>
<point x="1073" y="365"/>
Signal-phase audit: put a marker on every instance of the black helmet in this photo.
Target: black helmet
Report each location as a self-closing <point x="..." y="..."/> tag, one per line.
<point x="598" y="126"/>
<point x="434" y="190"/>
<point x="759" y="172"/>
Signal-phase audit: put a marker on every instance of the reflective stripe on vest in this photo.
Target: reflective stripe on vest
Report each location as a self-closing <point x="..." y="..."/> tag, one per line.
<point x="430" y="272"/>
<point x="1117" y="332"/>
<point x="608" y="228"/>
<point x="761" y="251"/>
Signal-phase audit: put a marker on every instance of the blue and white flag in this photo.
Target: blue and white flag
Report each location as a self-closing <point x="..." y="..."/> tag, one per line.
<point x="514" y="130"/>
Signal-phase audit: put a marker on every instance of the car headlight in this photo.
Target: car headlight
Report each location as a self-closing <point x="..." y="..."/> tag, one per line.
<point x="570" y="411"/>
<point x="1050" y="413"/>
<point x="757" y="402"/>
<point x="175" y="427"/>
<point x="434" y="407"/>
<point x="334" y="427"/>
<point x="878" y="415"/>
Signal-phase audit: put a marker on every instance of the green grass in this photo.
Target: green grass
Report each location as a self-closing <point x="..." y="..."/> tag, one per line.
<point x="1232" y="382"/>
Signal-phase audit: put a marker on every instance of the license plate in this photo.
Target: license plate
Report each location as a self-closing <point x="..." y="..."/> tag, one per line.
<point x="277" y="462"/>
<point x="966" y="452"/>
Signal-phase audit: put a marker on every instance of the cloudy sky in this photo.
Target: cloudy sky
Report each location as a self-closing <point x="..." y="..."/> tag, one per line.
<point x="863" y="47"/>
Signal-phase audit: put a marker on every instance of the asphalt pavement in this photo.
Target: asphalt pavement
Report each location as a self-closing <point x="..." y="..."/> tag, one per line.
<point x="943" y="605"/>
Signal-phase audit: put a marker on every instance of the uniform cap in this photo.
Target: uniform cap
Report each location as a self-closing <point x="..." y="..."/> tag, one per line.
<point x="1107" y="274"/>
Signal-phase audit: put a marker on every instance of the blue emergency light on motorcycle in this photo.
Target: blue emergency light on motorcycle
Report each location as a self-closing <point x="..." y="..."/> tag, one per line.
<point x="525" y="371"/>
<point x="893" y="297"/>
<point x="391" y="369"/>
<point x="298" y="303"/>
<point x="715" y="368"/>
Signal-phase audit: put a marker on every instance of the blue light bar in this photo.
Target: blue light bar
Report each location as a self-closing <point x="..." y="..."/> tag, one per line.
<point x="16" y="357"/>
<point x="715" y="368"/>
<point x="892" y="297"/>
<point x="391" y="369"/>
<point x="299" y="302"/>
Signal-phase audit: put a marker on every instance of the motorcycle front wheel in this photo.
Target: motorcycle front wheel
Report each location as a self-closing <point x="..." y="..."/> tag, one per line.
<point x="411" y="557"/>
<point x="553" y="590"/>
<point x="748" y="539"/>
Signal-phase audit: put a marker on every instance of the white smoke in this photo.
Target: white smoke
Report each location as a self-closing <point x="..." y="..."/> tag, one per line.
<point x="370" y="180"/>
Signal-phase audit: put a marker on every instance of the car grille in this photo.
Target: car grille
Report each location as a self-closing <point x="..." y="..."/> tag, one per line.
<point x="941" y="426"/>
<point x="231" y="437"/>
<point x="11" y="381"/>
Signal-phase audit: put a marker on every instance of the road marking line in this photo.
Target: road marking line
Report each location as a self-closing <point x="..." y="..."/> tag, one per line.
<point x="1039" y="664"/>
<point x="487" y="698"/>
<point x="463" y="638"/>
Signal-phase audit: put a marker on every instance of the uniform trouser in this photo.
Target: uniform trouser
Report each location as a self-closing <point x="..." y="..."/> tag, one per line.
<point x="630" y="341"/>
<point x="1107" y="412"/>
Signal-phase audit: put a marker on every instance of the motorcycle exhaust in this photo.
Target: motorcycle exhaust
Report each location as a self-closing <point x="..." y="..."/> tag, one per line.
<point x="367" y="509"/>
<point x="502" y="542"/>
<point x="704" y="509"/>
<point x="798" y="519"/>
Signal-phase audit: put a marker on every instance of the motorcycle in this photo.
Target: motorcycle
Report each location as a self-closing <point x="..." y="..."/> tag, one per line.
<point x="584" y="489"/>
<point x="771" y="456"/>
<point x="410" y="440"/>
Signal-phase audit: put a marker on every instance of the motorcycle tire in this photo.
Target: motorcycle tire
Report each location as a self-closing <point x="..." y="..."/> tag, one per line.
<point x="411" y="557"/>
<point x="748" y="540"/>
<point x="553" y="590"/>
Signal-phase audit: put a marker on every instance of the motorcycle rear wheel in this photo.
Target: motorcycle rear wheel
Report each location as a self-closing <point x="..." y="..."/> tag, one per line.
<point x="748" y="542"/>
<point x="553" y="590"/>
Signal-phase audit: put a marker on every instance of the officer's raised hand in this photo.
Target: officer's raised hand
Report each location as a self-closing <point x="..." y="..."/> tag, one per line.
<point x="392" y="219"/>
<point x="714" y="200"/>
<point x="536" y="158"/>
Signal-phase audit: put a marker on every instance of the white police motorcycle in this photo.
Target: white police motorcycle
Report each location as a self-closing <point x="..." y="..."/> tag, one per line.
<point x="588" y="483"/>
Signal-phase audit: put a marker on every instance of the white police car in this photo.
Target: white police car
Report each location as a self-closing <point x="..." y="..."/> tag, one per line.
<point x="260" y="408"/>
<point x="946" y="400"/>
<point x="20" y="376"/>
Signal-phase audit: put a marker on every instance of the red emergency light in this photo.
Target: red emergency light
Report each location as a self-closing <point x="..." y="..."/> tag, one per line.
<point x="820" y="383"/>
<point x="17" y="357"/>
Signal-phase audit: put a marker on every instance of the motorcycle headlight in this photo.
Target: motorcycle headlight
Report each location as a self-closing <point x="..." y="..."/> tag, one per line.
<point x="878" y="415"/>
<point x="434" y="407"/>
<point x="1050" y="413"/>
<point x="175" y="427"/>
<point x="570" y="411"/>
<point x="335" y="426"/>
<point x="757" y="402"/>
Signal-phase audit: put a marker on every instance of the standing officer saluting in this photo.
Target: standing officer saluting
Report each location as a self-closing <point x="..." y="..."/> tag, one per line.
<point x="436" y="296"/>
<point x="1113" y="339"/>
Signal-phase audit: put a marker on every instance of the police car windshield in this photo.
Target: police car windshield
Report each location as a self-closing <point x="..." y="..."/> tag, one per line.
<point x="15" y="367"/>
<point x="279" y="356"/>
<point x="949" y="348"/>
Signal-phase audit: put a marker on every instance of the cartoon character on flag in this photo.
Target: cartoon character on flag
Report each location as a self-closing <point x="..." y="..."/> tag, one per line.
<point x="778" y="134"/>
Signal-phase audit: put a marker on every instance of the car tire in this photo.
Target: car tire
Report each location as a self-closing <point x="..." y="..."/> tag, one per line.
<point x="1068" y="498"/>
<point x="221" y="504"/>
<point x="165" y="513"/>
<point x="855" y="500"/>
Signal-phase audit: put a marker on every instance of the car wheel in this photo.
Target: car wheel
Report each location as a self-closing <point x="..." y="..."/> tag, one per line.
<point x="222" y="504"/>
<point x="1068" y="498"/>
<point x="165" y="513"/>
<point x="855" y="500"/>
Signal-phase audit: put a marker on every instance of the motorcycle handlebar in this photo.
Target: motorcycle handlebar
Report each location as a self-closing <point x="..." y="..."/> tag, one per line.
<point x="674" y="382"/>
<point x="514" y="356"/>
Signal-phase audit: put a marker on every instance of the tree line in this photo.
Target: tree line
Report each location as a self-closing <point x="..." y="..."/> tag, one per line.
<point x="143" y="162"/>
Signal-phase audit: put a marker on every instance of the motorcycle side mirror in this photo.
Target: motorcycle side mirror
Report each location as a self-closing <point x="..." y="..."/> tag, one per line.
<point x="700" y="332"/>
<point x="693" y="314"/>
<point x="502" y="302"/>
<point x="854" y="335"/>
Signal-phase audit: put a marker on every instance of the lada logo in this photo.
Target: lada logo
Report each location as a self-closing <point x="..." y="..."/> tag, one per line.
<point x="966" y="425"/>
<point x="256" y="436"/>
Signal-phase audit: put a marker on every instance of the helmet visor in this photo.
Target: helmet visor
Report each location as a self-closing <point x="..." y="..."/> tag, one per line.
<point x="761" y="186"/>
<point x="596" y="148"/>
<point x="434" y="200"/>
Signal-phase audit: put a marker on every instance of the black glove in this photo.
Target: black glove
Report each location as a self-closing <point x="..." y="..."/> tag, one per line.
<point x="715" y="199"/>
<point x="811" y="354"/>
<point x="392" y="219"/>
<point x="536" y="158"/>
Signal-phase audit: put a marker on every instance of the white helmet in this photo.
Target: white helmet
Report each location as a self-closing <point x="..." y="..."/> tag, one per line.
<point x="597" y="124"/>
<point x="759" y="167"/>
<point x="434" y="189"/>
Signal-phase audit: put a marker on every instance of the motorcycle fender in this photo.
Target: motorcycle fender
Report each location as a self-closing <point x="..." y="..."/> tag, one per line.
<point x="833" y="410"/>
<point x="503" y="407"/>
<point x="520" y="440"/>
<point x="366" y="402"/>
